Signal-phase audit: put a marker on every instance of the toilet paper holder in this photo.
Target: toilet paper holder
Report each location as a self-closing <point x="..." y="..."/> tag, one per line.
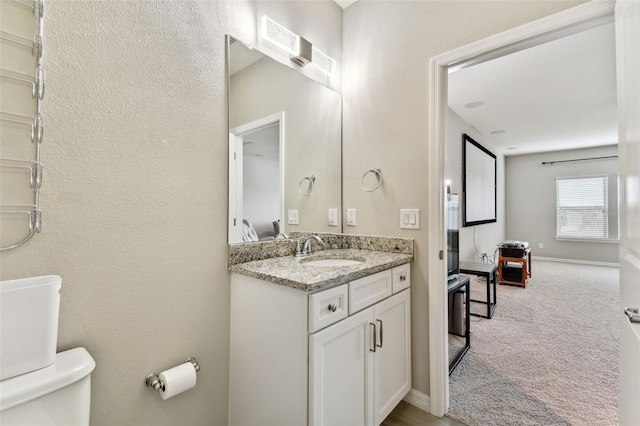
<point x="153" y="380"/>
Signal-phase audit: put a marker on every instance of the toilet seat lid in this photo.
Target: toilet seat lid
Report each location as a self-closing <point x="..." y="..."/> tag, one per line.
<point x="69" y="367"/>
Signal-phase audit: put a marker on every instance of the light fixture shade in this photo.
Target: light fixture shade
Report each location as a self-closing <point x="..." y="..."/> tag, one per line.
<point x="325" y="63"/>
<point x="280" y="36"/>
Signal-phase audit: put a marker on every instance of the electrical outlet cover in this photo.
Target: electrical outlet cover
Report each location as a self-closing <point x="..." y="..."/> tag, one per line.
<point x="333" y="217"/>
<point x="351" y="217"/>
<point x="293" y="217"/>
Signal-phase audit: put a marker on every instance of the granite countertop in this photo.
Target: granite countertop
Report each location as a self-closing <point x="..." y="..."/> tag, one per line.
<point x="292" y="271"/>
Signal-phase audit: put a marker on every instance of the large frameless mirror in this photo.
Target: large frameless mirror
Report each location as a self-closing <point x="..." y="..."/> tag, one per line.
<point x="285" y="147"/>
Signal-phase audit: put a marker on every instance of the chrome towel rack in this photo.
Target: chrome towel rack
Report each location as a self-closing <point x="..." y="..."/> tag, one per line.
<point x="13" y="211"/>
<point x="378" y="175"/>
<point x="312" y="181"/>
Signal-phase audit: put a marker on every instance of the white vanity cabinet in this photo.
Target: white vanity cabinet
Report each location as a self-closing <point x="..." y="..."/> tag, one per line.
<point x="360" y="368"/>
<point x="314" y="358"/>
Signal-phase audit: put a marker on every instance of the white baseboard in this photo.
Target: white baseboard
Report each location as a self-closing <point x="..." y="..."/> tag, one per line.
<point x="418" y="399"/>
<point x="581" y="262"/>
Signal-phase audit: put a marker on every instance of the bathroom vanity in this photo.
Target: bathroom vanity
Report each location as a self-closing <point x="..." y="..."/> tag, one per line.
<point x="313" y="342"/>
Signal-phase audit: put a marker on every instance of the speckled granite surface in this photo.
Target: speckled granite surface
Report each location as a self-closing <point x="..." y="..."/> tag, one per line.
<point x="247" y="252"/>
<point x="294" y="272"/>
<point x="274" y="261"/>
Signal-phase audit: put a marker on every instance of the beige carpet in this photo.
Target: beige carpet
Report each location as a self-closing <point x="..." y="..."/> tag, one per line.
<point x="549" y="355"/>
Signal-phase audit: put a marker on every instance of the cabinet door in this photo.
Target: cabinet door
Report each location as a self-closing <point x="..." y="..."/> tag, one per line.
<point x="341" y="372"/>
<point x="392" y="363"/>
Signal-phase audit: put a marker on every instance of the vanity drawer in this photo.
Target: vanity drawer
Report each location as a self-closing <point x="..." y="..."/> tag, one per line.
<point x="401" y="277"/>
<point x="327" y="307"/>
<point x="369" y="290"/>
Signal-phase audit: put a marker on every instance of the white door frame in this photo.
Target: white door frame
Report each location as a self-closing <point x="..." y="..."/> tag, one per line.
<point x="628" y="84"/>
<point x="235" y="171"/>
<point x="572" y="20"/>
<point x="236" y="190"/>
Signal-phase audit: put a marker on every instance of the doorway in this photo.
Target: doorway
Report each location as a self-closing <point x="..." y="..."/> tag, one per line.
<point x="551" y="28"/>
<point x="256" y="176"/>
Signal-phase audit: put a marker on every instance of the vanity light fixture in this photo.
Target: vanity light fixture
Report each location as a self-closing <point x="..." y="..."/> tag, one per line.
<point x="325" y="63"/>
<point x="301" y="50"/>
<point x="305" y="53"/>
<point x="280" y="36"/>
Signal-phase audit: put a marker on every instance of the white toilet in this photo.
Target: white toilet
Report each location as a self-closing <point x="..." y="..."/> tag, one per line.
<point x="37" y="385"/>
<point x="59" y="394"/>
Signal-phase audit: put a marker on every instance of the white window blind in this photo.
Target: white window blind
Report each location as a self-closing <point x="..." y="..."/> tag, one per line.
<point x="582" y="207"/>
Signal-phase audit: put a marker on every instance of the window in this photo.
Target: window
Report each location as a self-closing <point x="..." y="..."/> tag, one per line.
<point x="581" y="210"/>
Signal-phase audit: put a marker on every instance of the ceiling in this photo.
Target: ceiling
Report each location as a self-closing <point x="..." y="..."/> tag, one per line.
<point x="242" y="56"/>
<point x="554" y="96"/>
<point x="345" y="3"/>
<point x="263" y="142"/>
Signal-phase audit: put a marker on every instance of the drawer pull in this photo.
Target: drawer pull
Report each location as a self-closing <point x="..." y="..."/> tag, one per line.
<point x="375" y="340"/>
<point x="403" y="277"/>
<point x="332" y="307"/>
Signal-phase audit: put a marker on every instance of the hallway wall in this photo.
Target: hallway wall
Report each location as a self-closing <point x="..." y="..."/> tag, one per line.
<point x="387" y="48"/>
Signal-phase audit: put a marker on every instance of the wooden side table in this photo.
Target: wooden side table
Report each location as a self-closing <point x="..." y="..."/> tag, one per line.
<point x="525" y="265"/>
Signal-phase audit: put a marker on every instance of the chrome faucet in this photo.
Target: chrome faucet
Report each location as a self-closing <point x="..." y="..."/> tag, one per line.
<point x="281" y="236"/>
<point x="306" y="246"/>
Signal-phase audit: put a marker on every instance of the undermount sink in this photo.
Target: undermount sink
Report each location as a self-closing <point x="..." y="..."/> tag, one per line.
<point x="332" y="262"/>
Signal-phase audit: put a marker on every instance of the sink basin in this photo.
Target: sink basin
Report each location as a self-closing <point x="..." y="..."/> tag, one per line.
<point x="332" y="262"/>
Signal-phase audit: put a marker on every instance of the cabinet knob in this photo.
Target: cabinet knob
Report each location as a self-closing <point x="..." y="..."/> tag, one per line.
<point x="403" y="277"/>
<point x="332" y="307"/>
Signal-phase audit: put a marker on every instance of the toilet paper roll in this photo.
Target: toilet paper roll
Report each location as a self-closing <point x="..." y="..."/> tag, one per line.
<point x="177" y="380"/>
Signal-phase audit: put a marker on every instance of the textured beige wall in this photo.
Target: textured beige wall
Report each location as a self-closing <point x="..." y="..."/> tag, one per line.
<point x="483" y="238"/>
<point x="531" y="213"/>
<point x="135" y="192"/>
<point x="387" y="47"/>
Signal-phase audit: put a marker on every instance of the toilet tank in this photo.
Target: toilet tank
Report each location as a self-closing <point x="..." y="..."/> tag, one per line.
<point x="59" y="394"/>
<point x="28" y="324"/>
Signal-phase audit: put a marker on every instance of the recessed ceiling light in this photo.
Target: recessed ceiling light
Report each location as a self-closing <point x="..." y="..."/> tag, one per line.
<point x="475" y="104"/>
<point x="512" y="147"/>
<point x="498" y="132"/>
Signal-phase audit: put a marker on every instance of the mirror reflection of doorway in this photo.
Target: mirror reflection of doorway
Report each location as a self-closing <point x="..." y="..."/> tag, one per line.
<point x="261" y="181"/>
<point x="255" y="199"/>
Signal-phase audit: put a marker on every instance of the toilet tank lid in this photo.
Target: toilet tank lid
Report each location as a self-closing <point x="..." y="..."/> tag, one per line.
<point x="69" y="367"/>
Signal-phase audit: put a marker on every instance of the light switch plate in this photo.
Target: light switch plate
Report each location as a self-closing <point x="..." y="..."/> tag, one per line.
<point x="351" y="217"/>
<point x="410" y="218"/>
<point x="333" y="217"/>
<point x="293" y="217"/>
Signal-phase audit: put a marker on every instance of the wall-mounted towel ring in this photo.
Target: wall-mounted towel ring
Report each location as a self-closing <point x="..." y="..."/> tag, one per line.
<point x="312" y="180"/>
<point x="378" y="174"/>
